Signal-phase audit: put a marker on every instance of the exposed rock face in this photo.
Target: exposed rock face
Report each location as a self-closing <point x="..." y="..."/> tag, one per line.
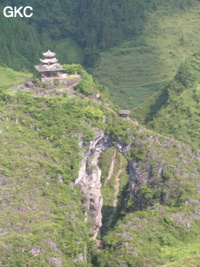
<point x="152" y="165"/>
<point x="89" y="179"/>
<point x="90" y="176"/>
<point x="51" y="83"/>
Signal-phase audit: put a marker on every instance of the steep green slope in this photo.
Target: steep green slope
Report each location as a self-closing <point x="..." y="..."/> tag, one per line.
<point x="44" y="220"/>
<point x="9" y="77"/>
<point x="159" y="223"/>
<point x="153" y="237"/>
<point x="19" y="43"/>
<point x="175" y="109"/>
<point x="43" y="217"/>
<point x="88" y="27"/>
<point x="135" y="70"/>
<point x="114" y="178"/>
<point x="93" y="24"/>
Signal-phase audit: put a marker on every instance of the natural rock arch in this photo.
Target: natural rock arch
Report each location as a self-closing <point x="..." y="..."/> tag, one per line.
<point x="89" y="176"/>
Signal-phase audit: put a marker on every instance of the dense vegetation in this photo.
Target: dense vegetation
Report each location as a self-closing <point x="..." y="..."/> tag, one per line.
<point x="43" y="218"/>
<point x="108" y="180"/>
<point x="175" y="109"/>
<point x="134" y="70"/>
<point x="45" y="131"/>
<point x="154" y="227"/>
<point x="94" y="24"/>
<point x="22" y="43"/>
<point x="19" y="44"/>
<point x="42" y="211"/>
<point x="136" y="46"/>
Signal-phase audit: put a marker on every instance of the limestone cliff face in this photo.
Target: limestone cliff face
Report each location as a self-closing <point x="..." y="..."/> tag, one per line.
<point x="90" y="176"/>
<point x="89" y="179"/>
<point x="162" y="166"/>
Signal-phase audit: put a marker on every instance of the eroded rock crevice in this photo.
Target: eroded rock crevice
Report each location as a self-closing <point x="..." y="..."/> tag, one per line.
<point x="89" y="177"/>
<point x="145" y="169"/>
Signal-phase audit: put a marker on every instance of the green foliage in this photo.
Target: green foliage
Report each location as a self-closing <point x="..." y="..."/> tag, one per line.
<point x="79" y="30"/>
<point x="166" y="175"/>
<point x="137" y="69"/>
<point x="42" y="134"/>
<point x="105" y="161"/>
<point x="150" y="237"/>
<point x="137" y="153"/>
<point x="175" y="109"/>
<point x="43" y="208"/>
<point x="112" y="164"/>
<point x="19" y="44"/>
<point x="87" y="85"/>
<point x="93" y="25"/>
<point x="46" y="205"/>
<point x="9" y="78"/>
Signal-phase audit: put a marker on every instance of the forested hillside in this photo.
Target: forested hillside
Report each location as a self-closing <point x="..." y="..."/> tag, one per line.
<point x="56" y="207"/>
<point x="136" y="69"/>
<point x="134" y="47"/>
<point x="80" y="185"/>
<point x="22" y="43"/>
<point x="19" y="44"/>
<point x="94" y="24"/>
<point x="175" y="109"/>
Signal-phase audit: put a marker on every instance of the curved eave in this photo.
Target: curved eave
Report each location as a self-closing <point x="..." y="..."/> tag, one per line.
<point x="48" y="68"/>
<point x="49" y="54"/>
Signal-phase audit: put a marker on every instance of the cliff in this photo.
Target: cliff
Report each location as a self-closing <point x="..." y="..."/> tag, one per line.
<point x="52" y="199"/>
<point x="154" y="176"/>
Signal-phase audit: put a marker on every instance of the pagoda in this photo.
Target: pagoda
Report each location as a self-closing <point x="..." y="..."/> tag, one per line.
<point x="49" y="68"/>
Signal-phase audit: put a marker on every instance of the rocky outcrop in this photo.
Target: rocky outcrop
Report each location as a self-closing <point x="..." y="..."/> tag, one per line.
<point x="90" y="176"/>
<point x="153" y="168"/>
<point x="89" y="179"/>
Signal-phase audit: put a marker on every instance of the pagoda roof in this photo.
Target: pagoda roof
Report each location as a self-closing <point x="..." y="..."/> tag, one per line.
<point x="49" y="54"/>
<point x="49" y="60"/>
<point x="48" y="68"/>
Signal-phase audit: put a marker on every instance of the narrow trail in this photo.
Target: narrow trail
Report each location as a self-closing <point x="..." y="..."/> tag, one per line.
<point x="149" y="131"/>
<point x="110" y="173"/>
<point x="110" y="170"/>
<point x="116" y="186"/>
<point x="115" y="201"/>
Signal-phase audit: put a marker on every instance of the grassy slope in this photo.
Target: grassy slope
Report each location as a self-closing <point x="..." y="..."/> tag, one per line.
<point x="34" y="204"/>
<point x="135" y="70"/>
<point x="187" y="262"/>
<point x="43" y="215"/>
<point x="42" y="212"/>
<point x="68" y="51"/>
<point x="151" y="237"/>
<point x="158" y="234"/>
<point x="175" y="109"/>
<point x="9" y="77"/>
<point x="108" y="190"/>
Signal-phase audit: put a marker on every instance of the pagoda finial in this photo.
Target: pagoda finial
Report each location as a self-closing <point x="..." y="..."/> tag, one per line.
<point x="49" y="54"/>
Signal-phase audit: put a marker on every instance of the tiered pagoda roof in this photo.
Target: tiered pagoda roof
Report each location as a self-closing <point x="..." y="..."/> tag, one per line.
<point x="49" y="64"/>
<point x="48" y="68"/>
<point x="49" y="60"/>
<point x="49" y="54"/>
